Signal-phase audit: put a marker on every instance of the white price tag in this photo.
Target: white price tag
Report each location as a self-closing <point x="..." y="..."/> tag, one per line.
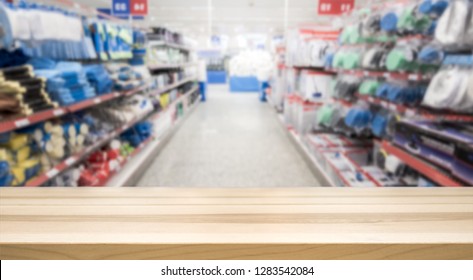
<point x="116" y="94"/>
<point x="413" y="77"/>
<point x="371" y="99"/>
<point x="58" y="112"/>
<point x="392" y="107"/>
<point x="386" y="75"/>
<point x="51" y="173"/>
<point x="22" y="123"/>
<point x="70" y="161"/>
<point x="366" y="73"/>
<point x="97" y="100"/>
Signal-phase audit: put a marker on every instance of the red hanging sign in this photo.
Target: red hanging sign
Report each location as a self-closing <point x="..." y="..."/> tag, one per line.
<point x="139" y="7"/>
<point x="335" y="7"/>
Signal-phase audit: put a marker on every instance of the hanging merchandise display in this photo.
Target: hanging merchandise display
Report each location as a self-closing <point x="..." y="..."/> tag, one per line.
<point x="451" y="89"/>
<point x="310" y="48"/>
<point x="455" y="26"/>
<point x="346" y="87"/>
<point x="407" y="93"/>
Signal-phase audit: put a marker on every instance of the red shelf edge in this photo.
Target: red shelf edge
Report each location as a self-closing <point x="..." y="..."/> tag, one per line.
<point x="10" y="125"/>
<point x="43" y="178"/>
<point x="421" y="166"/>
<point x="377" y="74"/>
<point x="422" y="111"/>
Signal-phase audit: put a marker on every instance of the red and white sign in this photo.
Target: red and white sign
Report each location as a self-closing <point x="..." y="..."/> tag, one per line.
<point x="139" y="7"/>
<point x="335" y="7"/>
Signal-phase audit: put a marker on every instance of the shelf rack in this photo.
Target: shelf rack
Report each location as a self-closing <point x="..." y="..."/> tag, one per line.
<point x="21" y="122"/>
<point x="171" y="66"/>
<point x="175" y="85"/>
<point x="419" y="111"/>
<point x="384" y="74"/>
<point x="76" y="158"/>
<point x="429" y="170"/>
<point x="170" y="45"/>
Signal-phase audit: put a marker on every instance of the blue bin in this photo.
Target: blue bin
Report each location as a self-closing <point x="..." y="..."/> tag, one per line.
<point x="244" y="84"/>
<point x="216" y="77"/>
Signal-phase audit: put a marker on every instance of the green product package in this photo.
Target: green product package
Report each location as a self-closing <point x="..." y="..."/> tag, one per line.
<point x="338" y="60"/>
<point x="369" y="87"/>
<point x="397" y="61"/>
<point x="351" y="61"/>
<point x="324" y="115"/>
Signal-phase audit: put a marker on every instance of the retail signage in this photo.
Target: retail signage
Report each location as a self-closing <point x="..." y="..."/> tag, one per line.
<point x="139" y="7"/>
<point x="335" y="7"/>
<point x="105" y="11"/>
<point x="121" y="7"/>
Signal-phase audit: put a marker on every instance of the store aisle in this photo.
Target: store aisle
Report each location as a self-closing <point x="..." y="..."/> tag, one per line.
<point x="233" y="140"/>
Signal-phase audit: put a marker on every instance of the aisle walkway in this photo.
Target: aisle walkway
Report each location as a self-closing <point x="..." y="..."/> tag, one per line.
<point x="232" y="140"/>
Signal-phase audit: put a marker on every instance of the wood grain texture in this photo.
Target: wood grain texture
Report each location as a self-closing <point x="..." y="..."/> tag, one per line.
<point x="281" y="223"/>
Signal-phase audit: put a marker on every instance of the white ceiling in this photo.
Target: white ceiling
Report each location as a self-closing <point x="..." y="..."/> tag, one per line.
<point x="227" y="16"/>
<point x="201" y="18"/>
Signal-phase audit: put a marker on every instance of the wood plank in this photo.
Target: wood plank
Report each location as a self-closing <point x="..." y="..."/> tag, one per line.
<point x="141" y="192"/>
<point x="239" y="252"/>
<point x="150" y="201"/>
<point x="180" y="223"/>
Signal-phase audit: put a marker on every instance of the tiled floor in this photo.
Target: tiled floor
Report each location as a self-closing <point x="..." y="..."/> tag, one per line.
<point x="232" y="140"/>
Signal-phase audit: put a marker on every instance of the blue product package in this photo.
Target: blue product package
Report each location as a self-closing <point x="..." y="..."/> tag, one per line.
<point x="4" y="168"/>
<point x="6" y="181"/>
<point x="379" y="124"/>
<point x="358" y="118"/>
<point x="99" y="78"/>
<point x="42" y="63"/>
<point x="389" y="22"/>
<point x="5" y="137"/>
<point x="383" y="90"/>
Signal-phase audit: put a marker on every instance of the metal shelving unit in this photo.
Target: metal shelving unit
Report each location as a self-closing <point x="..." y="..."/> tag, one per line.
<point x="171" y="66"/>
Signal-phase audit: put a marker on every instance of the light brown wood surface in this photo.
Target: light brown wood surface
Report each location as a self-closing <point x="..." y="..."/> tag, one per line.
<point x="281" y="223"/>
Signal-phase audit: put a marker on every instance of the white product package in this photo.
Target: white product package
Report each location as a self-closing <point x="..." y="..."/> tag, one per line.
<point x="315" y="86"/>
<point x="251" y="63"/>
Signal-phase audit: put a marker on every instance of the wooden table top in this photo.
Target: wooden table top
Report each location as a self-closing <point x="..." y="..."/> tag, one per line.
<point x="239" y="223"/>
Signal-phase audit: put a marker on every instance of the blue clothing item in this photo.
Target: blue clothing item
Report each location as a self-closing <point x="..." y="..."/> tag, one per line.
<point x="13" y="58"/>
<point x="42" y="63"/>
<point x="67" y="83"/>
<point x="99" y="78"/>
<point x="202" y="89"/>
